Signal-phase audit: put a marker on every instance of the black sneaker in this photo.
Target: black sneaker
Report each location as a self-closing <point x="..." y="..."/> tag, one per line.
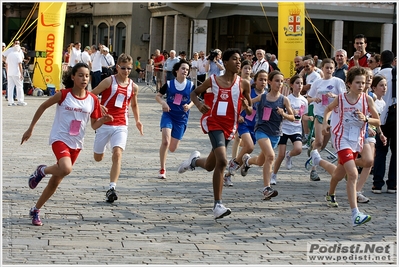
<point x="269" y="192"/>
<point x="111" y="196"/>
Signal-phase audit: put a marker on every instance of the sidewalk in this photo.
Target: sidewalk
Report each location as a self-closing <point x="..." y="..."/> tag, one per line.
<point x="167" y="221"/>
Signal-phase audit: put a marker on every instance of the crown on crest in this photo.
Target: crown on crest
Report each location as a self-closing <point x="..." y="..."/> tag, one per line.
<point x="295" y="12"/>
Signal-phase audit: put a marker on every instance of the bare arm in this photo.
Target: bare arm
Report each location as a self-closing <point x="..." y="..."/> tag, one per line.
<point x="135" y="108"/>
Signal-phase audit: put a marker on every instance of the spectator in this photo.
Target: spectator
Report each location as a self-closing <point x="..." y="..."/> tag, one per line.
<point x="341" y="68"/>
<point x="74" y="56"/>
<point x="374" y="63"/>
<point x="360" y="56"/>
<point x="261" y="63"/>
<point x="169" y="63"/>
<point x="298" y="64"/>
<point x="95" y="66"/>
<point x="15" y="76"/>
<point x="389" y="131"/>
<point x="107" y="63"/>
<point x="139" y="70"/>
<point x="159" y="60"/>
<point x="214" y="66"/>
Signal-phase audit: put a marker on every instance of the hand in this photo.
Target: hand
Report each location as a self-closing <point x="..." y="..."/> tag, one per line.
<point x="165" y="107"/>
<point x="326" y="129"/>
<point x="104" y="110"/>
<point x="357" y="55"/>
<point x="383" y="139"/>
<point x="204" y="108"/>
<point x="360" y="115"/>
<point x="186" y="107"/>
<point x="371" y="132"/>
<point x="139" y="126"/>
<point x="244" y="102"/>
<point x="241" y="119"/>
<point x="26" y="136"/>
<point x="107" y="118"/>
<point x="280" y="111"/>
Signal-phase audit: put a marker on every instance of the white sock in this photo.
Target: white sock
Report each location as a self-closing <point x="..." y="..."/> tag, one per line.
<point x="112" y="185"/>
<point x="355" y="211"/>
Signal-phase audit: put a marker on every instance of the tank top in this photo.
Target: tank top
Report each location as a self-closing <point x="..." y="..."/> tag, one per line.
<point x="272" y="125"/>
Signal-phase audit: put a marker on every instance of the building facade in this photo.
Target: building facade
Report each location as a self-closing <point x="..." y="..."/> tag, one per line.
<point x="140" y="28"/>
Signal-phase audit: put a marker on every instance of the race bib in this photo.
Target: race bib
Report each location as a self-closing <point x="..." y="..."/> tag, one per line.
<point x="222" y="108"/>
<point x="119" y="100"/>
<point x="266" y="113"/>
<point x="178" y="98"/>
<point x="75" y="127"/>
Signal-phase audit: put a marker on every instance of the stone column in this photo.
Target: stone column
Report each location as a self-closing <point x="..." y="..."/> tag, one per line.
<point x="168" y="33"/>
<point x="155" y="35"/>
<point x="181" y="34"/>
<point x="337" y="36"/>
<point x="386" y="37"/>
<point x="200" y="32"/>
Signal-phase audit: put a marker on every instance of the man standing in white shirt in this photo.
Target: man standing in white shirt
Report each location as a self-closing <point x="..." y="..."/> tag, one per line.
<point x="15" y="75"/>
<point x="261" y="63"/>
<point x="74" y="55"/>
<point x="95" y="66"/>
<point x="107" y="62"/>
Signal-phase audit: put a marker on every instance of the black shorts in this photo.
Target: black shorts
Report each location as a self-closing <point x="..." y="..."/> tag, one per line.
<point x="217" y="139"/>
<point x="292" y="137"/>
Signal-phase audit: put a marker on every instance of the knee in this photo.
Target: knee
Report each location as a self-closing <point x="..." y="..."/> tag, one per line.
<point x="296" y="151"/>
<point x="98" y="157"/>
<point x="116" y="154"/>
<point x="269" y="159"/>
<point x="65" y="170"/>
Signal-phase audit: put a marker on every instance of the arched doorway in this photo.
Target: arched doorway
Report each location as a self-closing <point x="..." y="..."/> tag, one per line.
<point x="120" y="38"/>
<point x="103" y="34"/>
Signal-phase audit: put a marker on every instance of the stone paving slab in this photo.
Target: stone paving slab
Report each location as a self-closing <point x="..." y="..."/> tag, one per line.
<point x="158" y="222"/>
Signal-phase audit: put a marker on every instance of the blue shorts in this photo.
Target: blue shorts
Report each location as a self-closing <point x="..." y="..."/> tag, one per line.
<point x="273" y="139"/>
<point x="243" y="128"/>
<point x="178" y="128"/>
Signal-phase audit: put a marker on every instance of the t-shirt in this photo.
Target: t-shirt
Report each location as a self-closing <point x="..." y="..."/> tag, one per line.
<point x="14" y="58"/>
<point x="72" y="116"/>
<point x="299" y="106"/>
<point x="158" y="59"/>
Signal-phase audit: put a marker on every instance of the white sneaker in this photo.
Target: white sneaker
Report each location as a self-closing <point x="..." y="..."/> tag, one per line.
<point x="21" y="103"/>
<point x="220" y="211"/>
<point x="162" y="174"/>
<point x="232" y="167"/>
<point x="11" y="104"/>
<point x="273" y="179"/>
<point x="245" y="167"/>
<point x="361" y="198"/>
<point x="227" y="180"/>
<point x="360" y="219"/>
<point x="186" y="165"/>
<point x="288" y="160"/>
<point x="315" y="157"/>
<point x="305" y="146"/>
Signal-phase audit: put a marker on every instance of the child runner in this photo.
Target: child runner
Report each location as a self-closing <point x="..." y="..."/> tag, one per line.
<point x="228" y="93"/>
<point x="322" y="92"/>
<point x="291" y="130"/>
<point x="245" y="73"/>
<point x="176" y="110"/>
<point x="348" y="138"/>
<point x="379" y="88"/>
<point x="246" y="128"/>
<point x="118" y="92"/>
<point x="270" y="114"/>
<point x="75" y="108"/>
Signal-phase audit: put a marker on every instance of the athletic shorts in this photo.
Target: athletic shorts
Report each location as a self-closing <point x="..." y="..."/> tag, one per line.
<point x="292" y="137"/>
<point x="217" y="139"/>
<point x="346" y="155"/>
<point x="178" y="128"/>
<point x="61" y="150"/>
<point x="116" y="136"/>
<point x="273" y="139"/>
<point x="243" y="129"/>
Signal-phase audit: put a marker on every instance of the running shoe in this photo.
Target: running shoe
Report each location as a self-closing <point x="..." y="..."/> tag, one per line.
<point x="273" y="179"/>
<point x="227" y="180"/>
<point x="269" y="192"/>
<point x="245" y="167"/>
<point x="111" y="196"/>
<point x="37" y="176"/>
<point x="331" y="201"/>
<point x="314" y="176"/>
<point x="288" y="160"/>
<point x="220" y="211"/>
<point x="186" y="165"/>
<point x="360" y="219"/>
<point x="376" y="190"/>
<point x="362" y="198"/>
<point x="233" y="166"/>
<point x="34" y="214"/>
<point x="162" y="174"/>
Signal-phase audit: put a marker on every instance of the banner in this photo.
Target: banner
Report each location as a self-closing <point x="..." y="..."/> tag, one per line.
<point x="49" y="45"/>
<point x="291" y="35"/>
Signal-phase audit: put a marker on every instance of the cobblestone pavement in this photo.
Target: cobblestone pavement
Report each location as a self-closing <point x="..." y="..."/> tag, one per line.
<point x="167" y="221"/>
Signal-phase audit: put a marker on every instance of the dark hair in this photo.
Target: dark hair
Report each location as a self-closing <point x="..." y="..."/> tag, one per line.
<point x="272" y="74"/>
<point x="361" y="36"/>
<point x="259" y="72"/>
<point x="377" y="57"/>
<point x="124" y="58"/>
<point x="176" y="67"/>
<point x="67" y="77"/>
<point x="138" y="58"/>
<point x="293" y="79"/>
<point x="94" y="47"/>
<point x="376" y="80"/>
<point x="229" y="52"/>
<point x="245" y="62"/>
<point x="353" y="72"/>
<point x="387" y="57"/>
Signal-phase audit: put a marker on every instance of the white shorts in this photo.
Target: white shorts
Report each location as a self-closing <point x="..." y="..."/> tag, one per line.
<point x="112" y="135"/>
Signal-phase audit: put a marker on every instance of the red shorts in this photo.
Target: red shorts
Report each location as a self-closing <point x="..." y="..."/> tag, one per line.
<point x="61" y="150"/>
<point x="346" y="155"/>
